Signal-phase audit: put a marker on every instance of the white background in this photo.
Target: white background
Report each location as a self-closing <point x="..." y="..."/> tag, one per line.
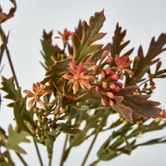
<point x="142" y="19"/>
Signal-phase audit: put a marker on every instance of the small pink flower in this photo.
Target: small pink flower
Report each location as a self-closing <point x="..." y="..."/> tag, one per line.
<point x="79" y="76"/>
<point x="39" y="90"/>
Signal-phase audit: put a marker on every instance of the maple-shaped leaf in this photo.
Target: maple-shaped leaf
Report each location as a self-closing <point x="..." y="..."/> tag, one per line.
<point x="83" y="43"/>
<point x="22" y="116"/>
<point x="56" y="71"/>
<point x="5" y="16"/>
<point x="125" y="111"/>
<point x="15" y="138"/>
<point x="118" y="43"/>
<point x="143" y="62"/>
<point x="9" y="87"/>
<point x="50" y="52"/>
<point x="140" y="104"/>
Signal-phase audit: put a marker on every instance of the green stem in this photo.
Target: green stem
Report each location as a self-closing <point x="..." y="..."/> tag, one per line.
<point x="38" y="153"/>
<point x="94" y="163"/>
<point x="90" y="148"/>
<point x="21" y="159"/>
<point x="63" y="151"/>
<point x="93" y="141"/>
<point x="5" y="39"/>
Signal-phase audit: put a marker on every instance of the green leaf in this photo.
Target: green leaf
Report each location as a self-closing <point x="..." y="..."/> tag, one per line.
<point x="56" y="71"/>
<point x="9" y="87"/>
<point x="49" y="141"/>
<point x="5" y="159"/>
<point x="48" y="50"/>
<point x="153" y="142"/>
<point x="15" y="138"/>
<point x="83" y="43"/>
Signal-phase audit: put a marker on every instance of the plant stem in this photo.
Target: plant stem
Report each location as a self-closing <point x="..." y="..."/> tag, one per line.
<point x="21" y="159"/>
<point x="94" y="139"/>
<point x="38" y="153"/>
<point x="94" y="163"/>
<point x="63" y="151"/>
<point x="90" y="148"/>
<point x="5" y="39"/>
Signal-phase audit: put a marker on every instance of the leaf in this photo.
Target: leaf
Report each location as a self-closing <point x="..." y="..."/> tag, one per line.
<point x="142" y="107"/>
<point x="5" y="159"/>
<point x="9" y="87"/>
<point x="156" y="47"/>
<point x="56" y="71"/>
<point x="140" y="104"/>
<point x="125" y="111"/>
<point x="5" y="16"/>
<point x="152" y="142"/>
<point x="49" y="141"/>
<point x="83" y="43"/>
<point x="49" y="50"/>
<point x="118" y="43"/>
<point x="15" y="138"/>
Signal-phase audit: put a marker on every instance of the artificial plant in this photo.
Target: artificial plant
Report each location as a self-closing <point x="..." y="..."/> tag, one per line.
<point x="89" y="88"/>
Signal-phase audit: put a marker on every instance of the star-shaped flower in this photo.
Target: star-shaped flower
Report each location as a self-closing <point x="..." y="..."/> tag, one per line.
<point x="78" y="75"/>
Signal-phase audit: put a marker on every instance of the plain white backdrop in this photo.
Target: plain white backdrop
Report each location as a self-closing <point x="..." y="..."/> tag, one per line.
<point x="142" y="19"/>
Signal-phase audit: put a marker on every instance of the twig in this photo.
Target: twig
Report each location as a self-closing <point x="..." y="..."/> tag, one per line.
<point x="94" y="140"/>
<point x="64" y="149"/>
<point x="21" y="159"/>
<point x="38" y="153"/>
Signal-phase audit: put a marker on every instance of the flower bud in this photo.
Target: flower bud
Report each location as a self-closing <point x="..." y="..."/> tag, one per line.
<point x="115" y="77"/>
<point x="98" y="90"/>
<point x="108" y="71"/>
<point x="112" y="85"/>
<point x="114" y="68"/>
<point x="109" y="60"/>
<point x="103" y="74"/>
<point x="111" y="103"/>
<point x="104" y="101"/>
<point x="105" y="53"/>
<point x="118" y="84"/>
<point x="104" y="85"/>
<point x="110" y="95"/>
<point x="117" y="89"/>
